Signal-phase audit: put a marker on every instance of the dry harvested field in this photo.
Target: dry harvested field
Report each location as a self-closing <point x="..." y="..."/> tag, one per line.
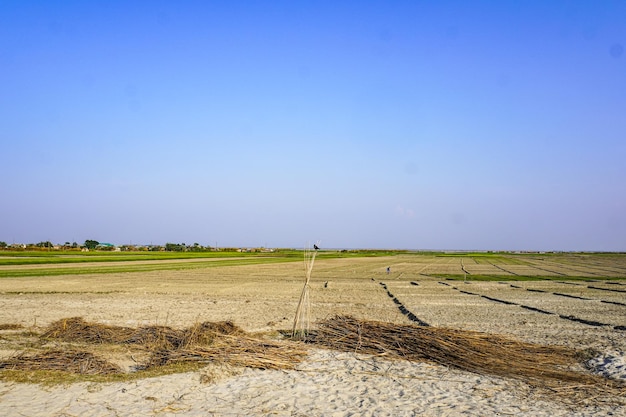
<point x="264" y="297"/>
<point x="571" y="300"/>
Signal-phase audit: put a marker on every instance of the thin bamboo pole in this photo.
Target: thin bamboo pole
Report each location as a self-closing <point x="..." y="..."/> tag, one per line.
<point x="302" y="319"/>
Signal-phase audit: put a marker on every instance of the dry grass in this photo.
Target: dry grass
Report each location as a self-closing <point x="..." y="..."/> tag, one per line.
<point x="76" y="329"/>
<point x="237" y="351"/>
<point x="81" y="347"/>
<point x="220" y="342"/>
<point x="78" y="362"/>
<point x="551" y="367"/>
<point x="10" y="326"/>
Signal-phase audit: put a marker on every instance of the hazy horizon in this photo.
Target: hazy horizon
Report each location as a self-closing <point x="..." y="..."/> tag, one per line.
<point x="309" y="246"/>
<point x="407" y="125"/>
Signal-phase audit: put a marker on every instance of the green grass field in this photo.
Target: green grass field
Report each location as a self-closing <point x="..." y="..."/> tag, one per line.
<point x="52" y="263"/>
<point x="480" y="266"/>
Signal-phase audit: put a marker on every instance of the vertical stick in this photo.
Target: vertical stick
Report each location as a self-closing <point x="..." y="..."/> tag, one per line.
<point x="302" y="320"/>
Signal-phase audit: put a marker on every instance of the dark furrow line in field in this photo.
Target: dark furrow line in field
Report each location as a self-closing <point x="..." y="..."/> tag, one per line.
<point x="572" y="296"/>
<point x="562" y="316"/>
<point x="566" y="266"/>
<point x="601" y="267"/>
<point x="569" y="295"/>
<point x="588" y="270"/>
<point x="603" y="282"/>
<point x="588" y="322"/>
<point x="463" y="268"/>
<point x="617" y="303"/>
<point x="538" y="310"/>
<point x="505" y="270"/>
<point x="497" y="300"/>
<point x="405" y="311"/>
<point x="605" y="289"/>
<point x="613" y="272"/>
<point x="547" y="270"/>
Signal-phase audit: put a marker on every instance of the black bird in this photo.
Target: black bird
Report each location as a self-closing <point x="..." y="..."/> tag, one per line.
<point x="315" y="247"/>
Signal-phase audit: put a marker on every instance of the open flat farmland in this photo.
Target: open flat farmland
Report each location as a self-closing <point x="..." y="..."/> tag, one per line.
<point x="572" y="300"/>
<point x="261" y="294"/>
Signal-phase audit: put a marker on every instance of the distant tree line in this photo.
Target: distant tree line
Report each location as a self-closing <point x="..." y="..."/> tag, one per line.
<point x="91" y="244"/>
<point x="182" y="247"/>
<point x="41" y="245"/>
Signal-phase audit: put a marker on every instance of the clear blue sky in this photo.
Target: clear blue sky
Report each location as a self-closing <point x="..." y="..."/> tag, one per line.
<point x="391" y="124"/>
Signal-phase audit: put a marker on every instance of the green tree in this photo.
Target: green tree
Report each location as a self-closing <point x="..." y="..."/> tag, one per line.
<point x="175" y="247"/>
<point x="91" y="244"/>
<point x="195" y="248"/>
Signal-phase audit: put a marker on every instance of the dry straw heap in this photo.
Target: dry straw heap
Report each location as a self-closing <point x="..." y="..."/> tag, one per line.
<point x="74" y="361"/>
<point x="221" y="342"/>
<point x="555" y="368"/>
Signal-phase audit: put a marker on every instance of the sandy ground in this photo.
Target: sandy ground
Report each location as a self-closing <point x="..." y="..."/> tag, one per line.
<point x="263" y="298"/>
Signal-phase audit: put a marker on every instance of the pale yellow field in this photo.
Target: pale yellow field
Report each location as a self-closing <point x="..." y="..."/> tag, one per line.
<point x="264" y="297"/>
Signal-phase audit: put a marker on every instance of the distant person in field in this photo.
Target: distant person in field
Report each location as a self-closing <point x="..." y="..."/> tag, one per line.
<point x="388" y="270"/>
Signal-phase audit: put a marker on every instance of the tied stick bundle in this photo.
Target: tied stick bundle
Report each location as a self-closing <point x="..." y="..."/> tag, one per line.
<point x="548" y="367"/>
<point x="302" y="320"/>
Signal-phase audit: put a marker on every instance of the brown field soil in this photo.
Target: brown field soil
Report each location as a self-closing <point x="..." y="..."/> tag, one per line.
<point x="263" y="298"/>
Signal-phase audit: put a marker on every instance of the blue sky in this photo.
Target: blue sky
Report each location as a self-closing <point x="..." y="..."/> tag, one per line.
<point x="417" y="124"/>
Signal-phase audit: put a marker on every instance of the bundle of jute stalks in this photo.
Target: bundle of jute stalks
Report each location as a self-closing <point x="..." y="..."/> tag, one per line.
<point x="207" y="342"/>
<point x="553" y="367"/>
